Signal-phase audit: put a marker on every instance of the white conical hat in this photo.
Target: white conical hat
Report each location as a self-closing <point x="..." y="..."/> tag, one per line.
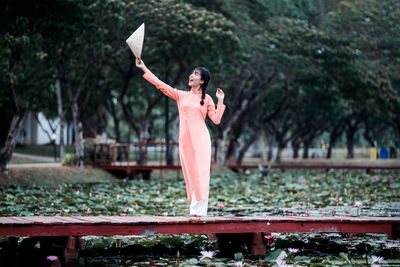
<point x="135" y="41"/>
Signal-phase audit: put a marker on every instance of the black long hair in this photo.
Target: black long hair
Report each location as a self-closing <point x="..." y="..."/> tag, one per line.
<point x="205" y="76"/>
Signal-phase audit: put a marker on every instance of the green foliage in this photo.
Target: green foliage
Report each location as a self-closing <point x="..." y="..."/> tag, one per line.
<point x="282" y="193"/>
<point x="68" y="159"/>
<point x="299" y="62"/>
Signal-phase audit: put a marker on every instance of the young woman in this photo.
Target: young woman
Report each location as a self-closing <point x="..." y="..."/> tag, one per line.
<point x="194" y="138"/>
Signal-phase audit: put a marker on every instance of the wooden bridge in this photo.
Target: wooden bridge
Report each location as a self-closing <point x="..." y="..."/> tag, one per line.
<point x="74" y="227"/>
<point x="123" y="157"/>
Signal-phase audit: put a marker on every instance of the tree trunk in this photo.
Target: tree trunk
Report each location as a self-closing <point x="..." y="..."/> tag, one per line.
<point x="117" y="130"/>
<point x="143" y="138"/>
<point x="367" y="135"/>
<point x="333" y="136"/>
<point x="12" y="138"/>
<point x="242" y="152"/>
<point x="279" y="153"/>
<point x="173" y="149"/>
<point x="220" y="151"/>
<point x="232" y="150"/>
<point x="306" y="145"/>
<point x="78" y="132"/>
<point x="270" y="140"/>
<point x="61" y="114"/>
<point x="330" y="147"/>
<point x="296" y="148"/>
<point x="350" y="131"/>
<point x="350" y="145"/>
<point x="261" y="145"/>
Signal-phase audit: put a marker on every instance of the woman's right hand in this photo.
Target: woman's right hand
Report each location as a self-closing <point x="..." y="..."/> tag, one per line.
<point x="140" y="64"/>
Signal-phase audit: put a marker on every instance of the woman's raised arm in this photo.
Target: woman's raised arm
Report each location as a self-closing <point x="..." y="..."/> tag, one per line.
<point x="163" y="87"/>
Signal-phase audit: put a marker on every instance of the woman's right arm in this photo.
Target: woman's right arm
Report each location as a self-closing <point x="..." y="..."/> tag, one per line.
<point x="163" y="87"/>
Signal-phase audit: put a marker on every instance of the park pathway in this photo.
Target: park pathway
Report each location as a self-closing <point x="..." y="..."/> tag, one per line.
<point x="47" y="162"/>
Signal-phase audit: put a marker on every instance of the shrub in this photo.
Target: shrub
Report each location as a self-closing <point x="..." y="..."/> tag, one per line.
<point x="68" y="159"/>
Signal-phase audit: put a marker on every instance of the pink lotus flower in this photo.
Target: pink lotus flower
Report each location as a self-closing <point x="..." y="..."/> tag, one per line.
<point x="59" y="211"/>
<point x="390" y="176"/>
<point x="88" y="212"/>
<point x="376" y="259"/>
<point x="320" y="209"/>
<point x="347" y="215"/>
<point x="207" y="254"/>
<point x="371" y="195"/>
<point x="220" y="205"/>
<point x="357" y="204"/>
<point x="325" y="213"/>
<point x="133" y="191"/>
<point x="52" y="258"/>
<point x="285" y="210"/>
<point x="374" y="179"/>
<point x="122" y="214"/>
<point x="281" y="263"/>
<point x="265" y="201"/>
<point x="294" y="212"/>
<point x="271" y="208"/>
<point x="306" y="197"/>
<point x="302" y="181"/>
<point x="41" y="208"/>
<point x="391" y="245"/>
<point x="128" y="209"/>
<point x="356" y="187"/>
<point x="58" y="190"/>
<point x="269" y="237"/>
<point x="334" y="199"/>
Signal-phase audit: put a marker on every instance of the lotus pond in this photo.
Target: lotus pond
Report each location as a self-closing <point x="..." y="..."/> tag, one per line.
<point x="300" y="193"/>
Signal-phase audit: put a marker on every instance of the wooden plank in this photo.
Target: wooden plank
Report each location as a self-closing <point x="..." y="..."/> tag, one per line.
<point x="147" y="225"/>
<point x="92" y="219"/>
<point x="9" y="220"/>
<point x="123" y="229"/>
<point x="21" y="220"/>
<point x="67" y="219"/>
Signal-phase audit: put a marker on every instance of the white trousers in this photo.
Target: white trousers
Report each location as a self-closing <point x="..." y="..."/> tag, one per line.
<point x="198" y="207"/>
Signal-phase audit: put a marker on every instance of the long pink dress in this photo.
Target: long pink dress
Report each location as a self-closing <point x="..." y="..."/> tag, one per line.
<point x="194" y="138"/>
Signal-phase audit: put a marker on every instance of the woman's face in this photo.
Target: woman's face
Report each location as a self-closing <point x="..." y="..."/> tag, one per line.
<point x="195" y="79"/>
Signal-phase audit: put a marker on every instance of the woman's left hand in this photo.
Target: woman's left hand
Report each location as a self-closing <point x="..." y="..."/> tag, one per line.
<point x="220" y="95"/>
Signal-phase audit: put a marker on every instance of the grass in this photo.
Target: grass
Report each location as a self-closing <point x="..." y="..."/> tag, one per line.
<point x="52" y="177"/>
<point x="42" y="150"/>
<point x="24" y="160"/>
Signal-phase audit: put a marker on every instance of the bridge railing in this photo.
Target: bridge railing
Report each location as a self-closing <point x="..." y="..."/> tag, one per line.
<point x="140" y="153"/>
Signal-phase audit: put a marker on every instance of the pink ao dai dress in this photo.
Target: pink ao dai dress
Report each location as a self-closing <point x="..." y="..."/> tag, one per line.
<point x="194" y="140"/>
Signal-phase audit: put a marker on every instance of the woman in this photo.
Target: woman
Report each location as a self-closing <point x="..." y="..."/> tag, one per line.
<point x="194" y="138"/>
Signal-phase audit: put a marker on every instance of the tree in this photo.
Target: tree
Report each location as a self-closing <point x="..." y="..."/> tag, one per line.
<point x="178" y="37"/>
<point x="26" y="87"/>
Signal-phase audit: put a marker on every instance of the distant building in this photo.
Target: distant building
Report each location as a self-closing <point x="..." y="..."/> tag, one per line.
<point x="33" y="134"/>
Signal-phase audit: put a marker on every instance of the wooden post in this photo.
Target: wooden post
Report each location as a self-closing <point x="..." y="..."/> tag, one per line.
<point x="258" y="247"/>
<point x="95" y="155"/>
<point x="71" y="252"/>
<point x="101" y="155"/>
